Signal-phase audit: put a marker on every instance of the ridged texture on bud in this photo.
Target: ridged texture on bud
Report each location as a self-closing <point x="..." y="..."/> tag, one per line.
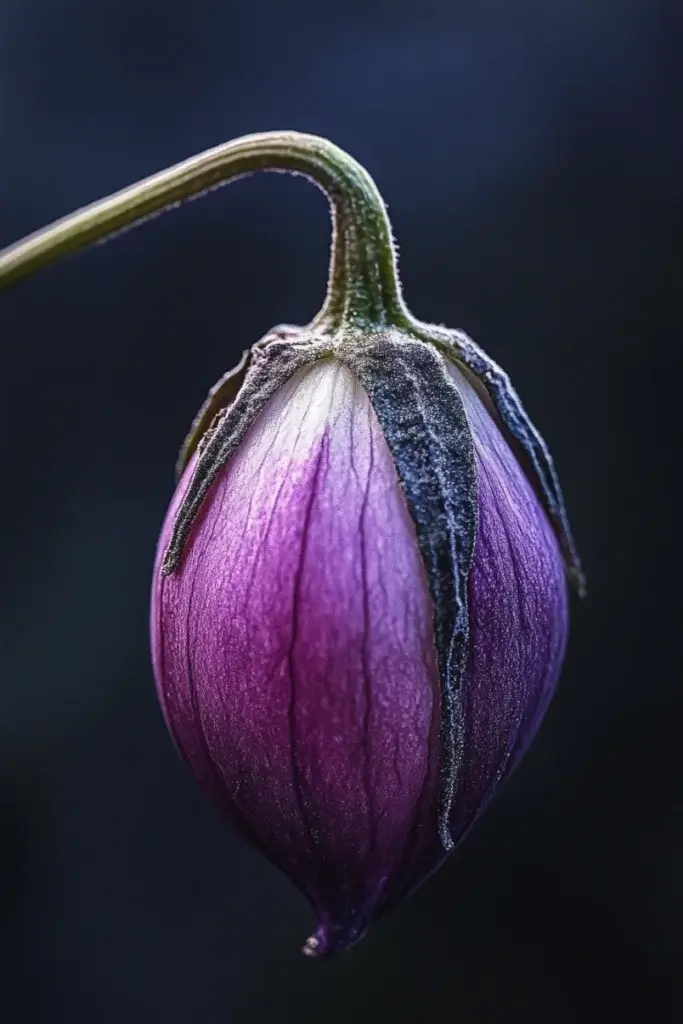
<point x="294" y="647"/>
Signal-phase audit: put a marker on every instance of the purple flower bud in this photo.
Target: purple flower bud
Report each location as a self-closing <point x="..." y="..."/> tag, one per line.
<point x="295" y="655"/>
<point x="359" y="606"/>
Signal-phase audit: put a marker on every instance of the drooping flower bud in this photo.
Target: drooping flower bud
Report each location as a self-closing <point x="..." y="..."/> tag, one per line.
<point x="359" y="607"/>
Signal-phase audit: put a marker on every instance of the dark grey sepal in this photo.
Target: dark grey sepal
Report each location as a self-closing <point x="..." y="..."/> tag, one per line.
<point x="515" y="419"/>
<point x="425" y="425"/>
<point x="221" y="395"/>
<point x="224" y="393"/>
<point x="271" y="364"/>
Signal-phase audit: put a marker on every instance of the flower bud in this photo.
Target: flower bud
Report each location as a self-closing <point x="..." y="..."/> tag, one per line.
<point x="295" y="647"/>
<point x="359" y="606"/>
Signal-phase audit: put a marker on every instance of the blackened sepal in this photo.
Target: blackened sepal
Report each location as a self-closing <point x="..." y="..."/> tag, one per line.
<point x="223" y="394"/>
<point x="515" y="419"/>
<point x="271" y="364"/>
<point x="425" y="425"/>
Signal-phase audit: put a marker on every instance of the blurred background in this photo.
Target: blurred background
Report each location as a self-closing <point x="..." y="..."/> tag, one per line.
<point x="530" y="153"/>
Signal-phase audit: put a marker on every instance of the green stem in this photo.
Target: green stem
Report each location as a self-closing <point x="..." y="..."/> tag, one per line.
<point x="363" y="286"/>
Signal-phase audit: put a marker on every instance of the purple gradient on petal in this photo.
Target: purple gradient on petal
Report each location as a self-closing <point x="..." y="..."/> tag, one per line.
<point x="518" y="617"/>
<point x="294" y="655"/>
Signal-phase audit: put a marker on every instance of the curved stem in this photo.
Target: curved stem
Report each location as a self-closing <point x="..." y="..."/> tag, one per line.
<point x="363" y="284"/>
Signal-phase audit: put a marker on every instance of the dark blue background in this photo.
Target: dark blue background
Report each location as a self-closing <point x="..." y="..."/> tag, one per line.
<point x="530" y="153"/>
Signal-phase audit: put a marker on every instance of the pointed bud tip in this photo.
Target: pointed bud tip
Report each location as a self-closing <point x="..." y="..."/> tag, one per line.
<point x="311" y="946"/>
<point x="328" y="940"/>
